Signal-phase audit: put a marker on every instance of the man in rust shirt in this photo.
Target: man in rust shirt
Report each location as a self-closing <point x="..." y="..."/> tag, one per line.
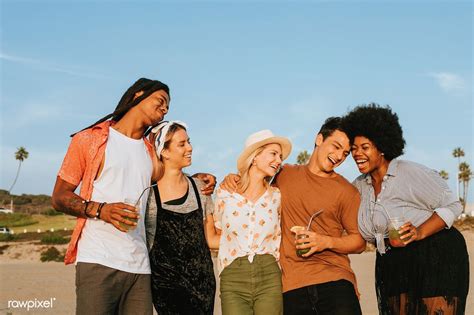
<point x="321" y="281"/>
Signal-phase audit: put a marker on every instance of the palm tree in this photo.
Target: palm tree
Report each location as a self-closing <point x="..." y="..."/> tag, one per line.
<point x="21" y="154"/>
<point x="302" y="158"/>
<point x="444" y="175"/>
<point x="458" y="153"/>
<point x="465" y="176"/>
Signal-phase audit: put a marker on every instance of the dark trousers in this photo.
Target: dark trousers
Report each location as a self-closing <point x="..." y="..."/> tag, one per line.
<point x="334" y="298"/>
<point x="101" y="290"/>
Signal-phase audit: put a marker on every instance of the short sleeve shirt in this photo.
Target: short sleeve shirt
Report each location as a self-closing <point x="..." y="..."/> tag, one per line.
<point x="303" y="193"/>
<point x="248" y="229"/>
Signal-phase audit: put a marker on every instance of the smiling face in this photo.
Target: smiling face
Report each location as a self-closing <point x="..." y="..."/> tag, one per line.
<point x="179" y="152"/>
<point x="366" y="155"/>
<point x="269" y="160"/>
<point x="330" y="152"/>
<point x="155" y="106"/>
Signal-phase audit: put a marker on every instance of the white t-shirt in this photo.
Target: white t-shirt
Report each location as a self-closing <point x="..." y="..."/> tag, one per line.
<point x="126" y="173"/>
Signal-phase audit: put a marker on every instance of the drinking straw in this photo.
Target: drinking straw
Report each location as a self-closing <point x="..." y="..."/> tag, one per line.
<point x="138" y="200"/>
<point x="311" y="219"/>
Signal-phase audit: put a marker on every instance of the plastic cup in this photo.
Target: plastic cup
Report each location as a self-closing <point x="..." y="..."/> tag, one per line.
<point x="133" y="203"/>
<point x="393" y="234"/>
<point x="302" y="251"/>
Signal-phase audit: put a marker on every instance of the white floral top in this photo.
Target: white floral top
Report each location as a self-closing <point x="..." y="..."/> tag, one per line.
<point x="247" y="228"/>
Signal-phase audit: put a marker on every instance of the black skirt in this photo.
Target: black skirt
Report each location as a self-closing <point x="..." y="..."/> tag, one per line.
<point x="426" y="277"/>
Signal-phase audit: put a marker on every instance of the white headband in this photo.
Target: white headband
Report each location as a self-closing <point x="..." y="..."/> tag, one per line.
<point x="162" y="130"/>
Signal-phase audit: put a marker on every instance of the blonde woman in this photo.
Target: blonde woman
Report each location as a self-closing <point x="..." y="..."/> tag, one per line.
<point x="178" y="222"/>
<point x="249" y="223"/>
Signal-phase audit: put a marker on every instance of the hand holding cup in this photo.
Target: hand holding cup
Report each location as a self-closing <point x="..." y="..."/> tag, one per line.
<point x="401" y="233"/>
<point x="296" y="230"/>
<point x="130" y="217"/>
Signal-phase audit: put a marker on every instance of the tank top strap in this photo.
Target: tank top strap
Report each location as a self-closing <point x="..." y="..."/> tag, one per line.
<point x="196" y="192"/>
<point x="157" y="197"/>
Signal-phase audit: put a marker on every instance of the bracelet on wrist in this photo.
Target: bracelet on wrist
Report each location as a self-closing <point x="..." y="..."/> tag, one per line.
<point x="99" y="210"/>
<point x="86" y="203"/>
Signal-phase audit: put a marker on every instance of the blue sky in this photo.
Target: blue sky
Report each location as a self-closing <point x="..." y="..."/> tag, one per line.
<point x="234" y="68"/>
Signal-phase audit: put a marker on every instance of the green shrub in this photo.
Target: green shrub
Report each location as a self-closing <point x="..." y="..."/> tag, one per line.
<point x="51" y="254"/>
<point x="40" y="199"/>
<point x="51" y="212"/>
<point x="53" y="238"/>
<point x="16" y="219"/>
<point x="22" y="200"/>
<point x="8" y="237"/>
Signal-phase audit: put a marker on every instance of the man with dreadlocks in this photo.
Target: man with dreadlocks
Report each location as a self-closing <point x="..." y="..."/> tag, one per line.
<point x="113" y="161"/>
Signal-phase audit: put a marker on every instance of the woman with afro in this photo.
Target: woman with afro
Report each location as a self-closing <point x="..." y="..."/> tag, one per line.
<point x="407" y="210"/>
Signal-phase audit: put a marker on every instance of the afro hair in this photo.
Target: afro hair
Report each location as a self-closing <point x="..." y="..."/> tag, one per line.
<point x="378" y="124"/>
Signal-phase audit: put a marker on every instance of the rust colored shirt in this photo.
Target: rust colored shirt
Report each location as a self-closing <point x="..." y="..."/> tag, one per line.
<point x="303" y="193"/>
<point x="81" y="165"/>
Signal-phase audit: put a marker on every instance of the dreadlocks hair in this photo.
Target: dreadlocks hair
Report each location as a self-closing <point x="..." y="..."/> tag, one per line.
<point x="127" y="101"/>
<point x="378" y="124"/>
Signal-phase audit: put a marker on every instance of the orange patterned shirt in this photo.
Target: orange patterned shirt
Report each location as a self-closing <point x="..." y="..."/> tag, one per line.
<point x="81" y="165"/>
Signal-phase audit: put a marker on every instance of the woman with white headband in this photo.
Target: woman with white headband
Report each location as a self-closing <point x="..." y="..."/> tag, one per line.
<point x="250" y="278"/>
<point x="179" y="222"/>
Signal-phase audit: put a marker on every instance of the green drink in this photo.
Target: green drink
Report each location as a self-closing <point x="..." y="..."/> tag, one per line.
<point x="300" y="252"/>
<point x="294" y="229"/>
<point x="133" y="203"/>
<point x="393" y="234"/>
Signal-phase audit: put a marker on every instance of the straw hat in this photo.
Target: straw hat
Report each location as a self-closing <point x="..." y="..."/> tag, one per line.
<point x="261" y="138"/>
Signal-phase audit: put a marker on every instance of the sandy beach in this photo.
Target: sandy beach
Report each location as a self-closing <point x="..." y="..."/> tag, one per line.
<point x="49" y="287"/>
